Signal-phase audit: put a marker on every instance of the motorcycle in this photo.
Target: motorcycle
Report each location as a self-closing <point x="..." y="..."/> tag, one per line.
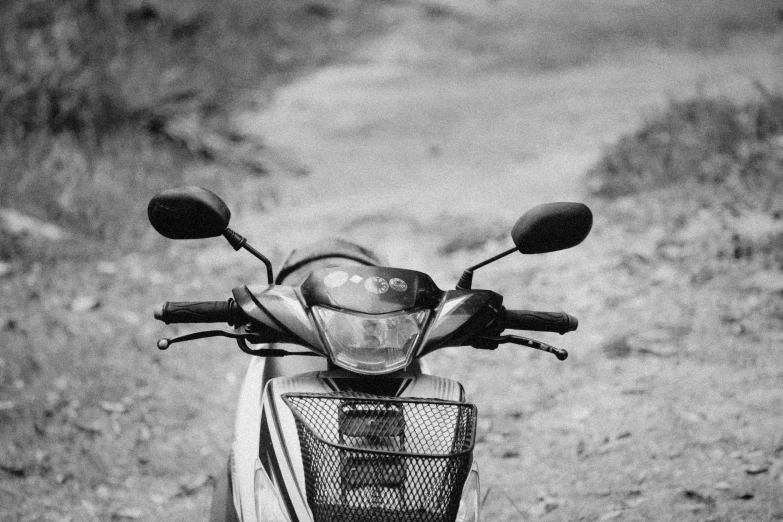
<point x="338" y="419"/>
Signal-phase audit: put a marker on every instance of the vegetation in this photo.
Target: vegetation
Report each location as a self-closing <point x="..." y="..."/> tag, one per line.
<point x="715" y="170"/>
<point x="543" y="34"/>
<point x="91" y="65"/>
<point x="83" y="82"/>
<point x="85" y="85"/>
<point x="706" y="141"/>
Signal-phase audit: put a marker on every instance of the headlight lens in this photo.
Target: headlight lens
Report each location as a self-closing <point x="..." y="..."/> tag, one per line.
<point x="268" y="507"/>
<point x="370" y="344"/>
<point x="469" y="503"/>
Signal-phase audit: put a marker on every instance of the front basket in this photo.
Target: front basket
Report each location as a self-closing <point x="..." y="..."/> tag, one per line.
<point x="381" y="459"/>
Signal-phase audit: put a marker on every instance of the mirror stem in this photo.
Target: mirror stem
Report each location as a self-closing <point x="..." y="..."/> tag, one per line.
<point x="466" y="280"/>
<point x="237" y="241"/>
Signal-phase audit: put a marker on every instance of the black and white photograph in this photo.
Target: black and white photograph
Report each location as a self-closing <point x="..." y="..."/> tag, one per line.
<point x="391" y="260"/>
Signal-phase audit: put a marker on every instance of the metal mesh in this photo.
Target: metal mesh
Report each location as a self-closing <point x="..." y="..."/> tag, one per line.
<point x="380" y="459"/>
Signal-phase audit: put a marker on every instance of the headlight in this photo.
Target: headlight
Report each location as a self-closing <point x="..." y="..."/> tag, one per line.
<point x="469" y="503"/>
<point x="370" y="344"/>
<point x="268" y="508"/>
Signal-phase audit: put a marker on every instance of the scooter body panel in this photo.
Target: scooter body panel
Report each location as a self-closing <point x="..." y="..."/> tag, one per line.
<point x="266" y="434"/>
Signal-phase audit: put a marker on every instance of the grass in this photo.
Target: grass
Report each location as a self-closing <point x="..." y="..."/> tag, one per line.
<point x="83" y="82"/>
<point x="708" y="141"/>
<point x="87" y="66"/>
<point x="713" y="158"/>
<point x="546" y="35"/>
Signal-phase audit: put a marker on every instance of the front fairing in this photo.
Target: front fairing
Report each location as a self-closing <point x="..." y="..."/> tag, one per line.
<point x="287" y="313"/>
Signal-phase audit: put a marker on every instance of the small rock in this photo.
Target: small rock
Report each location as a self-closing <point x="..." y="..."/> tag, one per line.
<point x="756" y="469"/>
<point x="113" y="407"/>
<point x="716" y="454"/>
<point x="635" y="501"/>
<point x="158" y="499"/>
<point x="580" y="413"/>
<point x="633" y="391"/>
<point x="62" y="478"/>
<point x="509" y="454"/>
<point x="757" y="227"/>
<point x="18" y="223"/>
<point x="106" y="267"/>
<point x="144" y="434"/>
<point x="723" y="486"/>
<point x="9" y="323"/>
<point x="194" y="486"/>
<point x="545" y="505"/>
<point x="665" y="274"/>
<point x="737" y="329"/>
<point x="14" y="466"/>
<point x="769" y="280"/>
<point x="41" y="456"/>
<point x="695" y="496"/>
<point x="611" y="515"/>
<point x="131" y="513"/>
<point x="5" y="269"/>
<point x="91" y="427"/>
<point x="617" y="348"/>
<point x="129" y="317"/>
<point x="494" y="438"/>
<point x="672" y="251"/>
<point x="690" y="416"/>
<point x="84" y="303"/>
<point x="658" y="342"/>
<point x="89" y="507"/>
<point x="581" y="448"/>
<point x="746" y="495"/>
<point x="659" y="350"/>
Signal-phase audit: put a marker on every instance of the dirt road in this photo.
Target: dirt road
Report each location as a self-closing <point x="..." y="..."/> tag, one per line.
<point x="414" y="138"/>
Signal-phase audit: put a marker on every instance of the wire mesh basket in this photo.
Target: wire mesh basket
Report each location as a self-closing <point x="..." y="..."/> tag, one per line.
<point x="382" y="459"/>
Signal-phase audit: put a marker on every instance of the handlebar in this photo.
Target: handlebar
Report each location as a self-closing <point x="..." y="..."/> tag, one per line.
<point x="559" y="322"/>
<point x="198" y="312"/>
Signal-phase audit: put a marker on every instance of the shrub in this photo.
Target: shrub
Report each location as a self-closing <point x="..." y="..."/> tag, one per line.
<point x="81" y="82"/>
<point x="702" y="140"/>
<point x="56" y="62"/>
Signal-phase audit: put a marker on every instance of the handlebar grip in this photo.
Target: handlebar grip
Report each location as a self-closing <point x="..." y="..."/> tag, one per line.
<point x="559" y="322"/>
<point x="197" y="312"/>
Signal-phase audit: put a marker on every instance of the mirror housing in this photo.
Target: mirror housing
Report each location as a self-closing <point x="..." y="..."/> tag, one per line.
<point x="545" y="228"/>
<point x="188" y="213"/>
<point x="551" y="227"/>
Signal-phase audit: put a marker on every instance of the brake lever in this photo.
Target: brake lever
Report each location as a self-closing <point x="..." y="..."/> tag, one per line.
<point x="560" y="353"/>
<point x="241" y="338"/>
<point x="163" y="344"/>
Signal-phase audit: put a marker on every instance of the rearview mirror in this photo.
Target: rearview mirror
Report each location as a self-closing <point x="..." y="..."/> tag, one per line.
<point x="545" y="228"/>
<point x="188" y="213"/>
<point x="551" y="227"/>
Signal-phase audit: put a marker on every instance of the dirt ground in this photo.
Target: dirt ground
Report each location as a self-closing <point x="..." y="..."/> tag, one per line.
<point x="669" y="407"/>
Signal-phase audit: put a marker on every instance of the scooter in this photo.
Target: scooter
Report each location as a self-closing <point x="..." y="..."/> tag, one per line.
<point x="337" y="419"/>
